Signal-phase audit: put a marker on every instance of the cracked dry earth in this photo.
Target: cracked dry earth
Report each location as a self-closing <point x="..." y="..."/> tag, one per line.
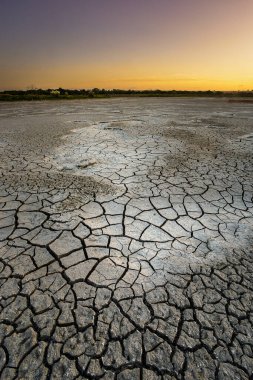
<point x="126" y="240"/>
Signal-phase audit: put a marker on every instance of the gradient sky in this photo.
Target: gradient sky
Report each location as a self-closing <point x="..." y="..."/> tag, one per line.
<point x="142" y="44"/>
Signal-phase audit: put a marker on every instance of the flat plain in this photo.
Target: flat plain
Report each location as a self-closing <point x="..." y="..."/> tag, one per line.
<point x="126" y="234"/>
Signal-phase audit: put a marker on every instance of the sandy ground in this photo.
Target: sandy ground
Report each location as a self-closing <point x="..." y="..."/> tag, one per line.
<point x="126" y="234"/>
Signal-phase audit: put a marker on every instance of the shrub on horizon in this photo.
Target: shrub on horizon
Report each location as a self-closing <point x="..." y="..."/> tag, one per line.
<point x="55" y="93"/>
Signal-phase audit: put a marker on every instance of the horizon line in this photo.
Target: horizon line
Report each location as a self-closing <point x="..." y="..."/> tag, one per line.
<point x="118" y="89"/>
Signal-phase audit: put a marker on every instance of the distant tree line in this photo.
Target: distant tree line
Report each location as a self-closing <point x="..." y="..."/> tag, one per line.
<point x="61" y="93"/>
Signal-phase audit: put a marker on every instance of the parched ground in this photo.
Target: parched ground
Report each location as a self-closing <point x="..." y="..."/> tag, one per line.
<point x="126" y="235"/>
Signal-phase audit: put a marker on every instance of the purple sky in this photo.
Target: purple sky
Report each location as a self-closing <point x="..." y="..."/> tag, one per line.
<point x="119" y="43"/>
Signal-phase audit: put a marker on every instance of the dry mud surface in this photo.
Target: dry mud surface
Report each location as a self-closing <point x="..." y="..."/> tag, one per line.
<point x="126" y="240"/>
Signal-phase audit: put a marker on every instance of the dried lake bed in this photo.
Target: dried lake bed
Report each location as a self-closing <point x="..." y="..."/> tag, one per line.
<point x="126" y="234"/>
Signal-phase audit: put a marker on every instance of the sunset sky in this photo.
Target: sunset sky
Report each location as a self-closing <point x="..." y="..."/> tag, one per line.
<point x="141" y="44"/>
